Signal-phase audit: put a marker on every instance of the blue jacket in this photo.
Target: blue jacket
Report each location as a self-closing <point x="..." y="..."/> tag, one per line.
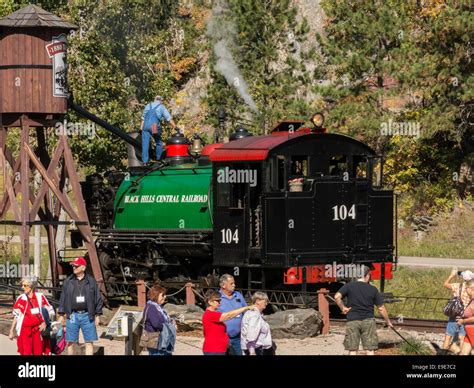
<point x="228" y="304"/>
<point x="94" y="301"/>
<point x="167" y="337"/>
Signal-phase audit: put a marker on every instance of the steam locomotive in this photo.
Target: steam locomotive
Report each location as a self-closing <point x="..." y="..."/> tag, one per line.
<point x="276" y="211"/>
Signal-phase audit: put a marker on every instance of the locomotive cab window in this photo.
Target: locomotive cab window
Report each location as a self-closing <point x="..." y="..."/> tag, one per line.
<point x="299" y="174"/>
<point x="359" y="167"/>
<point x="278" y="181"/>
<point x="238" y="195"/>
<point x="223" y="194"/>
<point x="299" y="166"/>
<point x="233" y="183"/>
<point x="337" y="165"/>
<point x="376" y="171"/>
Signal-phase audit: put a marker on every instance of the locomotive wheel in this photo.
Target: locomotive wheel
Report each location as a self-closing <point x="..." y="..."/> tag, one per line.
<point x="108" y="275"/>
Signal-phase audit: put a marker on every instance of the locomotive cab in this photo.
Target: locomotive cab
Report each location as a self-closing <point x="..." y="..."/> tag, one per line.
<point x="296" y="198"/>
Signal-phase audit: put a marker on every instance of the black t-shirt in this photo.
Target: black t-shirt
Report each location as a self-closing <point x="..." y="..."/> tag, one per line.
<point x="361" y="297"/>
<point x="79" y="290"/>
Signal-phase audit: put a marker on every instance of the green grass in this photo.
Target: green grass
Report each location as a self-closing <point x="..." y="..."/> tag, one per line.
<point x="416" y="347"/>
<point x="424" y="284"/>
<point x="452" y="237"/>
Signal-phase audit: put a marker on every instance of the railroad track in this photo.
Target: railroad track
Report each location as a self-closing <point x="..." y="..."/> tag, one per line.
<point x="298" y="299"/>
<point x="428" y="325"/>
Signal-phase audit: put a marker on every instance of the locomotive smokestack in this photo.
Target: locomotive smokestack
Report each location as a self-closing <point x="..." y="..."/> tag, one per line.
<point x="221" y="115"/>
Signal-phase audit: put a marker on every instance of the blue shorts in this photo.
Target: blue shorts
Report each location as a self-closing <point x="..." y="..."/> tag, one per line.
<point x="452" y="328"/>
<point x="81" y="321"/>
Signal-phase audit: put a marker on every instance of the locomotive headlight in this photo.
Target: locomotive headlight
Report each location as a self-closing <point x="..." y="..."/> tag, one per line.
<point x="318" y="120"/>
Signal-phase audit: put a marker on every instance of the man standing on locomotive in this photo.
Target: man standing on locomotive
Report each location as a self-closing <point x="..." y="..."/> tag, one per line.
<point x="231" y="300"/>
<point x="360" y="326"/>
<point x="151" y="127"/>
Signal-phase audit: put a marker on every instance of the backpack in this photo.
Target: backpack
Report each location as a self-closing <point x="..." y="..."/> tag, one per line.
<point x="150" y="119"/>
<point x="58" y="342"/>
<point x="454" y="308"/>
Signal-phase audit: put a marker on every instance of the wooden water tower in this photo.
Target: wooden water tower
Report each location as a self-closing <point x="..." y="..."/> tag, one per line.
<point x="33" y="94"/>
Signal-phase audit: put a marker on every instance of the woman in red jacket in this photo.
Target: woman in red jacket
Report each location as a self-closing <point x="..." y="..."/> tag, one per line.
<point x="28" y="321"/>
<point x="213" y="327"/>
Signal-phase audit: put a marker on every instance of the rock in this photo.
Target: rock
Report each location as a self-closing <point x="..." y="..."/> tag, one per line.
<point x="189" y="317"/>
<point x="296" y="323"/>
<point x="182" y="309"/>
<point x="388" y="338"/>
<point x="107" y="315"/>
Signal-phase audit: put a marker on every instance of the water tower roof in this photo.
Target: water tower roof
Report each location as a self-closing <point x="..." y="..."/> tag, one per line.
<point x="34" y="16"/>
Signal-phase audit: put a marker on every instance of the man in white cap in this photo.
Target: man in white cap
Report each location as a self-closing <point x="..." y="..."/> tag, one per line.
<point x="81" y="303"/>
<point x="454" y="330"/>
<point x="151" y="127"/>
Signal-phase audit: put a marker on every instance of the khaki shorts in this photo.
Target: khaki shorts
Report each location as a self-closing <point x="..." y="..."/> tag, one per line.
<point x="365" y="330"/>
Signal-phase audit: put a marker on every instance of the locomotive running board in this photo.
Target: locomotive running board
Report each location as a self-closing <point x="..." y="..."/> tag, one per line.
<point x="163" y="236"/>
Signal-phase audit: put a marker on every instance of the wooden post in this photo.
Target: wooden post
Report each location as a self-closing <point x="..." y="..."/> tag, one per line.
<point x="190" y="297"/>
<point x="34" y="94"/>
<point x="141" y="293"/>
<point x="129" y="339"/>
<point x="3" y="164"/>
<point x="82" y="212"/>
<point x="24" y="179"/>
<point x="323" y="308"/>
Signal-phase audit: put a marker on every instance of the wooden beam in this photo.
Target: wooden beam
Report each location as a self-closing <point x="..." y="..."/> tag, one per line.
<point x="11" y="183"/>
<point x="24" y="179"/>
<point x="52" y="231"/>
<point x="3" y="136"/>
<point x="4" y="206"/>
<point x="13" y="120"/>
<point x="15" y="165"/>
<point x="9" y="189"/>
<point x="60" y="196"/>
<point x="81" y="208"/>
<point x="44" y="187"/>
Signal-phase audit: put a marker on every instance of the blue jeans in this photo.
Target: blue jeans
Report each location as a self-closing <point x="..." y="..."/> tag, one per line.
<point x="452" y="328"/>
<point x="156" y="352"/>
<point x="146" y="138"/>
<point x="235" y="345"/>
<point x="80" y="321"/>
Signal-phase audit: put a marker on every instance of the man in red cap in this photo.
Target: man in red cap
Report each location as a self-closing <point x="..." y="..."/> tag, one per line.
<point x="81" y="303"/>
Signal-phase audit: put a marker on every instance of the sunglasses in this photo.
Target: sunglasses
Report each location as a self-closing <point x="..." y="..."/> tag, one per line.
<point x="217" y="300"/>
<point x="24" y="285"/>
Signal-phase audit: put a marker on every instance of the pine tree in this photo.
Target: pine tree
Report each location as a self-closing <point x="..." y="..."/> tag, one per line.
<point x="267" y="48"/>
<point x="360" y="50"/>
<point x="419" y="54"/>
